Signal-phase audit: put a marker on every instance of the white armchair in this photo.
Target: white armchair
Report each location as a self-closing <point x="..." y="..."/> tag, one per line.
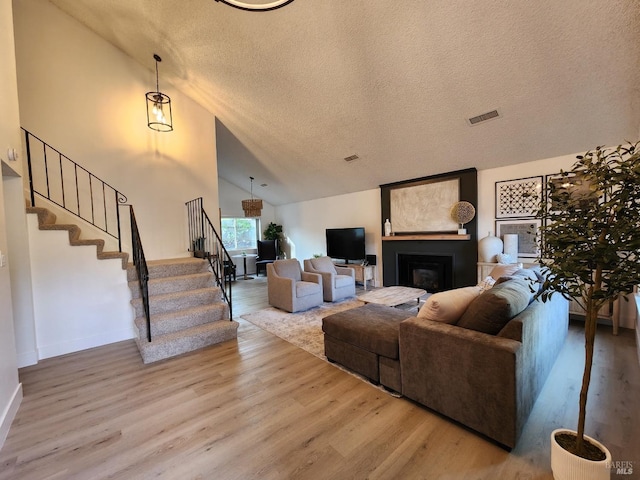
<point x="337" y="282"/>
<point x="291" y="289"/>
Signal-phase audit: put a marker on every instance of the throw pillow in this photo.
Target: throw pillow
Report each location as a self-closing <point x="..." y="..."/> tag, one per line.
<point x="504" y="269"/>
<point x="323" y="264"/>
<point x="526" y="274"/>
<point x="448" y="306"/>
<point x="494" y="308"/>
<point x="486" y="284"/>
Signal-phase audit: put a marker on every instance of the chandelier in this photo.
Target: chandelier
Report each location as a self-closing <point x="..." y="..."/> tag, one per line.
<point x="253" y="206"/>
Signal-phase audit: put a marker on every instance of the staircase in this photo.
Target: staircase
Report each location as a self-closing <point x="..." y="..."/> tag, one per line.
<point x="47" y="221"/>
<point x="186" y="308"/>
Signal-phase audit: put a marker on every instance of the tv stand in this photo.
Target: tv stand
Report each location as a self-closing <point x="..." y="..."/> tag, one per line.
<point x="363" y="273"/>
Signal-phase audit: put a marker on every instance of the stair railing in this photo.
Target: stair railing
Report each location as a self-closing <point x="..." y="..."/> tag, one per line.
<point x="205" y="243"/>
<point x="141" y="268"/>
<point x="57" y="178"/>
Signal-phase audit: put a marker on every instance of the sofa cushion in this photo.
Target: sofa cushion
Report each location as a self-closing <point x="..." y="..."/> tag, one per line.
<point x="492" y="309"/>
<point x="372" y="327"/>
<point x="323" y="264"/>
<point x="448" y="306"/>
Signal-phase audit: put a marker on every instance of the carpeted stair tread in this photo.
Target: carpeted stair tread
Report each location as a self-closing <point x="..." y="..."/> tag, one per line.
<point x="194" y="338"/>
<point x="178" y="283"/>
<point x="170" y="267"/>
<point x="182" y="319"/>
<point x="45" y="216"/>
<point x="46" y="221"/>
<point x="123" y="256"/>
<point x="167" y="302"/>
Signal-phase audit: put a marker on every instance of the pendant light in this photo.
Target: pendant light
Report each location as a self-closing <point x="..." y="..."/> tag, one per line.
<point x="253" y="206"/>
<point x="159" y="107"/>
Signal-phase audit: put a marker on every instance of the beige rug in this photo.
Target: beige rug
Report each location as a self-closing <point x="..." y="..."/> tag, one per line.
<point x="302" y="329"/>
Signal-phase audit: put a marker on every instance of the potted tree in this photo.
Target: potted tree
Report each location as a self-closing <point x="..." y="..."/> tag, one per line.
<point x="590" y="249"/>
<point x="274" y="232"/>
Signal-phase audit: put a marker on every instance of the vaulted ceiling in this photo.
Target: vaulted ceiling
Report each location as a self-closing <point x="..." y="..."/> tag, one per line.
<point x="297" y="89"/>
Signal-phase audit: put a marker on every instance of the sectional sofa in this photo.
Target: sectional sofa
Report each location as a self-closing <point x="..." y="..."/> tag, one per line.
<point x="477" y="355"/>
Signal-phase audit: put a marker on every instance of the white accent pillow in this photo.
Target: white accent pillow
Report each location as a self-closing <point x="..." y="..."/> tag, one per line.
<point x="505" y="270"/>
<point x="487" y="283"/>
<point x="448" y="306"/>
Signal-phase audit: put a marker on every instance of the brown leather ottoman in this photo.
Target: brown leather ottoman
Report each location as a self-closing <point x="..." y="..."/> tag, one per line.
<point x="365" y="340"/>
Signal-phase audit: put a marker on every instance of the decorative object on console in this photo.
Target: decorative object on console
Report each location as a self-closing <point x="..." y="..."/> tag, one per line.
<point x="462" y="212"/>
<point x="387" y="228"/>
<point x="488" y="248"/>
<point x="253" y="206"/>
<point x="159" y="107"/>
<point x="527" y="231"/>
<point x="518" y="198"/>
<point x="590" y="238"/>
<point x="511" y="246"/>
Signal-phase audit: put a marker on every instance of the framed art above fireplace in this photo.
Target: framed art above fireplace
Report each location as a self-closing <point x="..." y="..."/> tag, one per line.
<point x="423" y="205"/>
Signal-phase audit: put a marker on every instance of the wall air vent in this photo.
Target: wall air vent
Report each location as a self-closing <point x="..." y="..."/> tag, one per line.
<point x="351" y="158"/>
<point x="483" y="118"/>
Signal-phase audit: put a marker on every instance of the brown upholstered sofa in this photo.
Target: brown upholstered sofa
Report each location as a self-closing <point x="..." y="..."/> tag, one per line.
<point x="488" y="382"/>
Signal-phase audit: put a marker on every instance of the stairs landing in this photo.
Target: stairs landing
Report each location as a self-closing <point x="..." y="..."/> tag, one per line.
<point x="187" y="311"/>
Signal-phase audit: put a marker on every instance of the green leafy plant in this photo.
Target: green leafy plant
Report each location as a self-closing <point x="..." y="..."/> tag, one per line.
<point x="274" y="232"/>
<point x="589" y="243"/>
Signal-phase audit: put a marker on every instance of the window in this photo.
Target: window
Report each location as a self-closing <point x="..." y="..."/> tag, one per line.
<point x="240" y="233"/>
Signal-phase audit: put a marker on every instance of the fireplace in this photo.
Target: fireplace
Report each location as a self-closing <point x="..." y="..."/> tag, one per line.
<point x="433" y="273"/>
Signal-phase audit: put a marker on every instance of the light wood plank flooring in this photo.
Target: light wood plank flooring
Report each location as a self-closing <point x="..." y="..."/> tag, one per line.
<point x="259" y="408"/>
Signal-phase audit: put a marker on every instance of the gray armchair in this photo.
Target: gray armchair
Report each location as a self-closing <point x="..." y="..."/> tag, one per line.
<point x="337" y="282"/>
<point x="291" y="289"/>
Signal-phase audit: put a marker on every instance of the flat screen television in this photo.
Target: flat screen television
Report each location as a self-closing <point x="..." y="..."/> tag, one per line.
<point x="345" y="243"/>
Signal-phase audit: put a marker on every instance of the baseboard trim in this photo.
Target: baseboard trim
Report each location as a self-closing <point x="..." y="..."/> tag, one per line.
<point x="27" y="359"/>
<point x="77" y="345"/>
<point x="9" y="414"/>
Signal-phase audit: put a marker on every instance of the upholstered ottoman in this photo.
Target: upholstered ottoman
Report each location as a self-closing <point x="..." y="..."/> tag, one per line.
<point x="365" y="340"/>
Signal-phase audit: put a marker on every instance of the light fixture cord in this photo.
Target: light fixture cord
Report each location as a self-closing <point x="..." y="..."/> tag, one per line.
<point x="157" y="83"/>
<point x="251" y="187"/>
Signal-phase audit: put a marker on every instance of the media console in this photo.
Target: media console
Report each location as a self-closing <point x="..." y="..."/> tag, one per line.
<point x="363" y="273"/>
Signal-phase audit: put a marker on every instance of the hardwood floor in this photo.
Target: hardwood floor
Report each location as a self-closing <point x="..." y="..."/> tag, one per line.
<point x="259" y="408"/>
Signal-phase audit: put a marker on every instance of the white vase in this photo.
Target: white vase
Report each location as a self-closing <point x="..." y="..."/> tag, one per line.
<point x="488" y="248"/>
<point x="511" y="245"/>
<point x="567" y="466"/>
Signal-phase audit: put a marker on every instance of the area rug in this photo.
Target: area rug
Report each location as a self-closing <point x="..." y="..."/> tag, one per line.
<point x="302" y="329"/>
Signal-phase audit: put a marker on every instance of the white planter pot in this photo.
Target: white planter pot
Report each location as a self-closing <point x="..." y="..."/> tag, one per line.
<point x="567" y="466"/>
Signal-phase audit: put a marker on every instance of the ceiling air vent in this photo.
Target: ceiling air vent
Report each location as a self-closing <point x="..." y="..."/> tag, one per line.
<point x="483" y="117"/>
<point x="351" y="158"/>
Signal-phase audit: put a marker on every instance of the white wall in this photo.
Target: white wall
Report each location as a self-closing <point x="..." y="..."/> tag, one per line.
<point x="86" y="98"/>
<point x="486" y="203"/>
<point x="304" y="224"/>
<point x="79" y="301"/>
<point x="10" y="387"/>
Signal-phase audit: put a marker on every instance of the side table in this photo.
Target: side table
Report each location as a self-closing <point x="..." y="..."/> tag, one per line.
<point x="244" y="263"/>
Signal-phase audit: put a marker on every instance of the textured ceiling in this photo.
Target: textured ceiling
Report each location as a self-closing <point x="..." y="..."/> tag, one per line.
<point x="295" y="90"/>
